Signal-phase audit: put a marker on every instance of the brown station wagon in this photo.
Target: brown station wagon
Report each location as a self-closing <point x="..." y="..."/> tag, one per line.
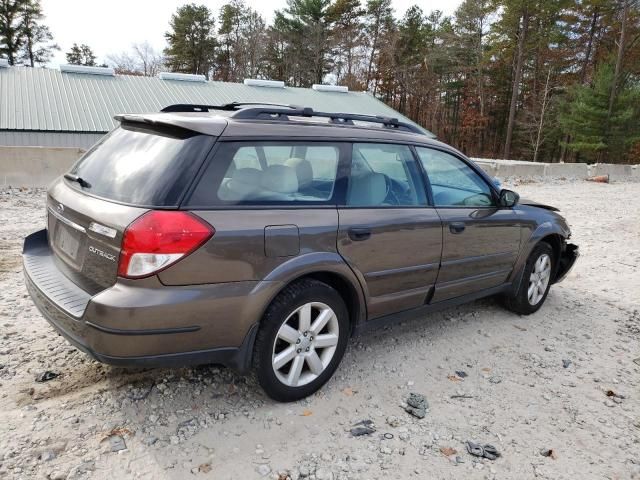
<point x="264" y="236"/>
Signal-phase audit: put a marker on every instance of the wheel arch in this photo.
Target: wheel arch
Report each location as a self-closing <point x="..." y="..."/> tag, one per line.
<point x="547" y="232"/>
<point x="555" y="241"/>
<point x="345" y="289"/>
<point x="325" y="267"/>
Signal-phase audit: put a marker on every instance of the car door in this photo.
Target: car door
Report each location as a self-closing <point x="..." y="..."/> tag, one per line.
<point x="387" y="233"/>
<point x="480" y="239"/>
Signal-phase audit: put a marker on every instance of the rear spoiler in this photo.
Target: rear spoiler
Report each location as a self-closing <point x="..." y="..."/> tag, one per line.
<point x="207" y="125"/>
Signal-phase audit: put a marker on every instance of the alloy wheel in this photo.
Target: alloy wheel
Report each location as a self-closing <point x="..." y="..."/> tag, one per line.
<point x="539" y="279"/>
<point x="305" y="344"/>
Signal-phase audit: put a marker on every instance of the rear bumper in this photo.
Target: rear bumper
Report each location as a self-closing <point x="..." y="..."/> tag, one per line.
<point x="145" y="323"/>
<point x="567" y="261"/>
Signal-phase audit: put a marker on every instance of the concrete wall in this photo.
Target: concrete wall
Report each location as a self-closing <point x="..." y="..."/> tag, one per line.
<point x="505" y="169"/>
<point x="35" y="166"/>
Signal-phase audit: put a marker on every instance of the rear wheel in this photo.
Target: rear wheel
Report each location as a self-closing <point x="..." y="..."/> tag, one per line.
<point x="301" y="340"/>
<point x="536" y="281"/>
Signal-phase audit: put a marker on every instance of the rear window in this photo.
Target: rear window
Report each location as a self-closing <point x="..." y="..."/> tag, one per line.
<point x="270" y="173"/>
<point x="140" y="165"/>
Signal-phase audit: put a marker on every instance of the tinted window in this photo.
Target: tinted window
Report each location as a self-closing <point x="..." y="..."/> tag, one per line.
<point x="285" y="172"/>
<point x="384" y="175"/>
<point x="142" y="166"/>
<point x="453" y="182"/>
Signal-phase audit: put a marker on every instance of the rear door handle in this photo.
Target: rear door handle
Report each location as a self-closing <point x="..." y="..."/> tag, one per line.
<point x="359" y="234"/>
<point x="456" y="227"/>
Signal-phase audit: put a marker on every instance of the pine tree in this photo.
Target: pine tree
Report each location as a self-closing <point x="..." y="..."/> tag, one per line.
<point x="346" y="17"/>
<point x="192" y="41"/>
<point x="11" y="39"/>
<point x="596" y="132"/>
<point x="306" y="26"/>
<point x="81" y="55"/>
<point x="241" y="36"/>
<point x="38" y="40"/>
<point x="378" y="21"/>
<point x="229" y="36"/>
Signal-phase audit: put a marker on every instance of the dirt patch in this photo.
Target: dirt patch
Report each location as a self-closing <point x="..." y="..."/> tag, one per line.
<point x="526" y="385"/>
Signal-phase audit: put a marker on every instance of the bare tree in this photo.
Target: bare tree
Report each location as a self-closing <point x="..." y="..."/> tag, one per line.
<point x="142" y="59"/>
<point x="149" y="59"/>
<point x="538" y="120"/>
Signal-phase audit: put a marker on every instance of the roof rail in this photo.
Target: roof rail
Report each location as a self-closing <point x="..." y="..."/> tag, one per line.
<point x="188" y="107"/>
<point x="279" y="114"/>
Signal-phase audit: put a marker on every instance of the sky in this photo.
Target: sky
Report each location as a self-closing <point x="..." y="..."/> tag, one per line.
<point x="112" y="26"/>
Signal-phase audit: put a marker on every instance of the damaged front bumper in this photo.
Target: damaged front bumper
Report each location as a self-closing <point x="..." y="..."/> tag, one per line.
<point x="568" y="259"/>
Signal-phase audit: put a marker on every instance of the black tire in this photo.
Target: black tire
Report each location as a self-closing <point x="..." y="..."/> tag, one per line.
<point x="289" y="300"/>
<point x="519" y="302"/>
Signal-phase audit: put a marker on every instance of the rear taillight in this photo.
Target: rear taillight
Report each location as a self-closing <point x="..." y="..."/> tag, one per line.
<point x="158" y="239"/>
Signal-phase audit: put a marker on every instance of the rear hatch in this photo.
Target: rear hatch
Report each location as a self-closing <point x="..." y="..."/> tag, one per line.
<point x="137" y="167"/>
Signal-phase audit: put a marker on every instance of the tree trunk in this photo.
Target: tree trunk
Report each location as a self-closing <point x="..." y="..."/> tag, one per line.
<point x="545" y="100"/>
<point x="373" y="52"/>
<point x="583" y="76"/>
<point x="616" y="74"/>
<point x="587" y="55"/>
<point x="517" y="78"/>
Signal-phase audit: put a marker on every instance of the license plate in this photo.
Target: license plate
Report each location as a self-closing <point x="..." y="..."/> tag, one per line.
<point x="67" y="243"/>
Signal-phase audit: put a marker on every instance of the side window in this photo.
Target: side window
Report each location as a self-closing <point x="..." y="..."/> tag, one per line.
<point x="453" y="182"/>
<point x="384" y="175"/>
<point x="269" y="172"/>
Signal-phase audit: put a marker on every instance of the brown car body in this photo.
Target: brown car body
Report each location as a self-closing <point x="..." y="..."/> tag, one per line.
<point x="384" y="261"/>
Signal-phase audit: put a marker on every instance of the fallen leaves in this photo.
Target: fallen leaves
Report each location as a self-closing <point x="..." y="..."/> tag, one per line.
<point x="454" y="378"/>
<point x="448" y="451"/>
<point x="348" y="391"/>
<point x="121" y="431"/>
<point x="307" y="413"/>
<point x="204" y="468"/>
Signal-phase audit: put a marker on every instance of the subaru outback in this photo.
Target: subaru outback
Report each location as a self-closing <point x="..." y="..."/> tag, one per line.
<point x="263" y="236"/>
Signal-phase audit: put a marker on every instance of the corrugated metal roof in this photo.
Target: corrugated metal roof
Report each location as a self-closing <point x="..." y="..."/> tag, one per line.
<point x="49" y="100"/>
<point x="21" y="138"/>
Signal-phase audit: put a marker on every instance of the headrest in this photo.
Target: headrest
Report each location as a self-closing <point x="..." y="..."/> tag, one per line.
<point x="368" y="189"/>
<point x="280" y="179"/>
<point x="303" y="170"/>
<point x="245" y="180"/>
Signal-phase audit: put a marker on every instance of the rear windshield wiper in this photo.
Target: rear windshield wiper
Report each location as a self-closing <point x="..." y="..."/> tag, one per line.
<point x="75" y="178"/>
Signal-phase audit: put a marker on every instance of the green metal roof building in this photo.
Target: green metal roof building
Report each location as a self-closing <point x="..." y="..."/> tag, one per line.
<point x="74" y="106"/>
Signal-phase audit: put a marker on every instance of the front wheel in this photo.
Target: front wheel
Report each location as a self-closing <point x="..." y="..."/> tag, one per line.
<point x="536" y="281"/>
<point x="301" y="340"/>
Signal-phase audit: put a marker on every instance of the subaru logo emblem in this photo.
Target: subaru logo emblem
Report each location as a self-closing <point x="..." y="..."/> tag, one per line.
<point x="60" y="207"/>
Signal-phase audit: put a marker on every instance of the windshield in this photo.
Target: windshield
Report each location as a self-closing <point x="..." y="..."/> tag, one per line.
<point x="142" y="165"/>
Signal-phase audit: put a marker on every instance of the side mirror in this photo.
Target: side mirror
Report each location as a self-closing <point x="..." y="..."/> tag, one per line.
<point x="508" y="198"/>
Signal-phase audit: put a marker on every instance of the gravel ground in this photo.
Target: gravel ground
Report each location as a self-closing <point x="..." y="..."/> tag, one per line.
<point x="527" y="385"/>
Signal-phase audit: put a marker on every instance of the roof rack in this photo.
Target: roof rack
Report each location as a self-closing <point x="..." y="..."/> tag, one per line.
<point x="279" y="114"/>
<point x="188" y="107"/>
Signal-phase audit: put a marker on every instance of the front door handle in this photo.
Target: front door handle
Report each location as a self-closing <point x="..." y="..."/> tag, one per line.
<point x="359" y="234"/>
<point x="456" y="227"/>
